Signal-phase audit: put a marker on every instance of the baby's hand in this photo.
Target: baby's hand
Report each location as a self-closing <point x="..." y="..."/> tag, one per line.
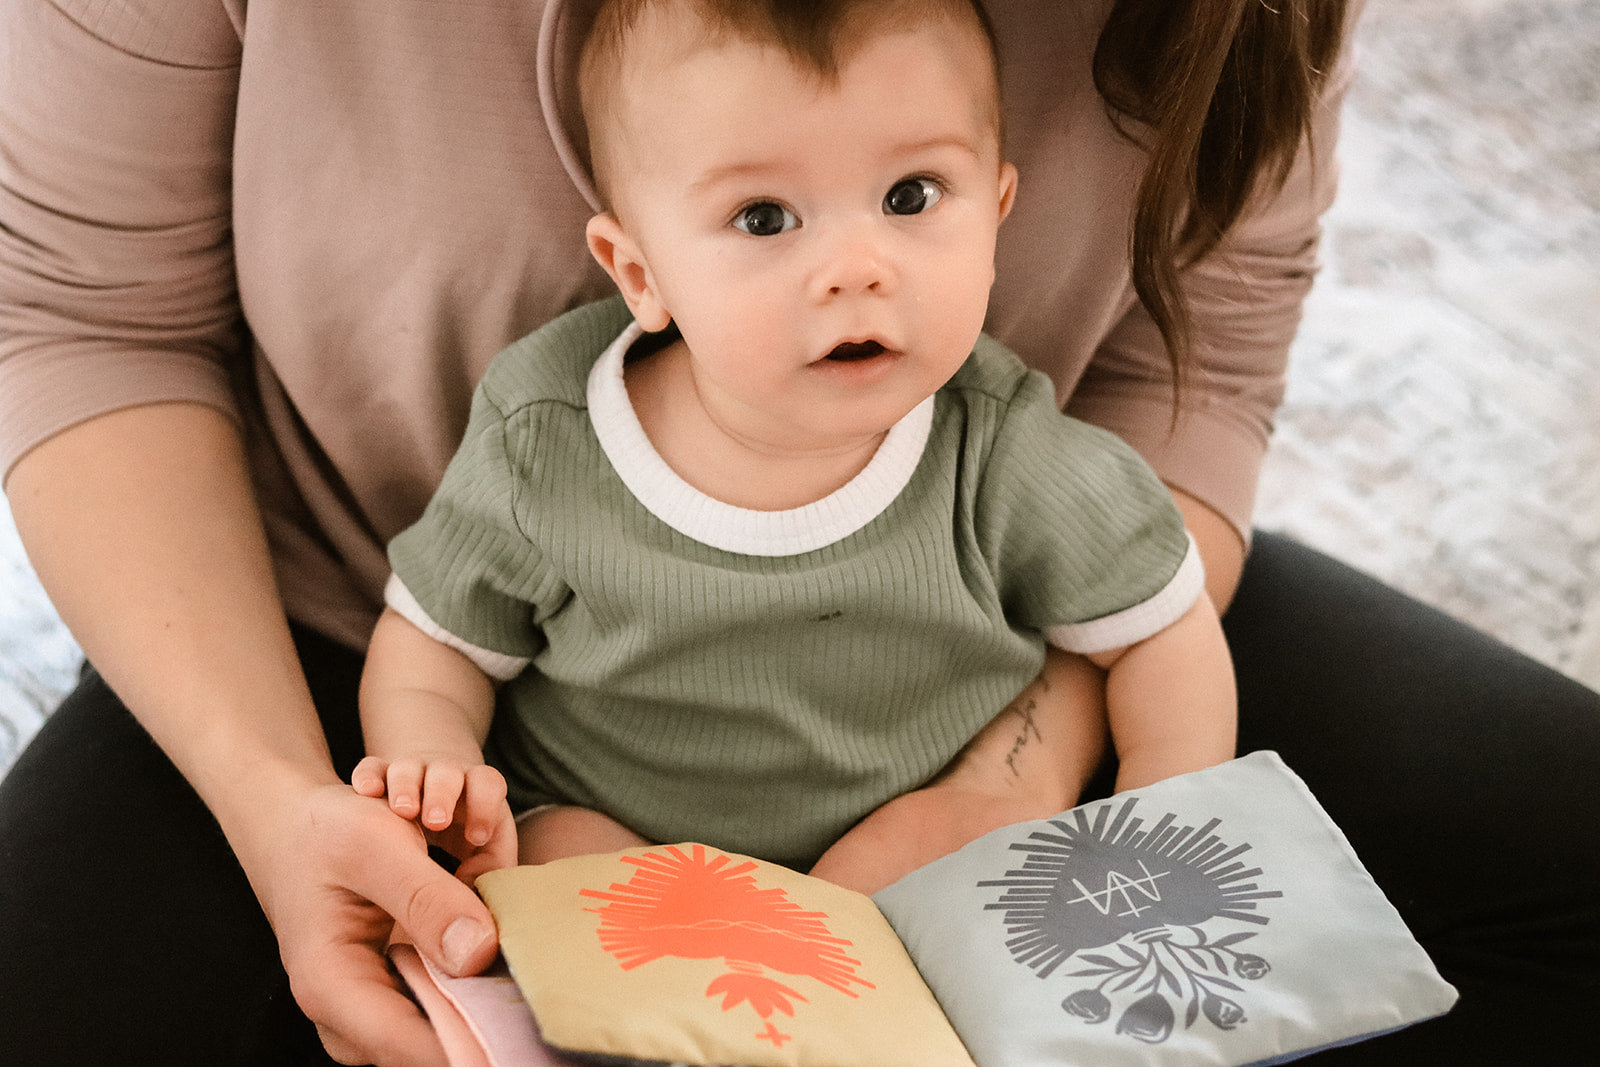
<point x="446" y="794"/>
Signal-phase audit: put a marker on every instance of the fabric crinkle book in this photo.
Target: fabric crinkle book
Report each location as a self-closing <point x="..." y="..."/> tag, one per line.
<point x="1218" y="917"/>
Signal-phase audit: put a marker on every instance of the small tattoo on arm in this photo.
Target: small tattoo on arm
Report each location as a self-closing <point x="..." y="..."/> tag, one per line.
<point x="1028" y="732"/>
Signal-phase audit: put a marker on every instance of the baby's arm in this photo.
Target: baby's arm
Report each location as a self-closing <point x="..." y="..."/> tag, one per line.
<point x="1170" y="700"/>
<point x="561" y="830"/>
<point x="425" y="711"/>
<point x="1030" y="762"/>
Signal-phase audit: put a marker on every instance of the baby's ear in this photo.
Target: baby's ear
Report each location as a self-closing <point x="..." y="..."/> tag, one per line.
<point x="1008" y="189"/>
<point x="624" y="260"/>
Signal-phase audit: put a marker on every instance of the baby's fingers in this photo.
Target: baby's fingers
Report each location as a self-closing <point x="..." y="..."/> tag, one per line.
<point x="441" y="789"/>
<point x="370" y="778"/>
<point x="485" y="804"/>
<point x="405" y="787"/>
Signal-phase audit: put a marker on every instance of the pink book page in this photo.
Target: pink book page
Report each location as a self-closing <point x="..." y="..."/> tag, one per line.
<point x="482" y="1021"/>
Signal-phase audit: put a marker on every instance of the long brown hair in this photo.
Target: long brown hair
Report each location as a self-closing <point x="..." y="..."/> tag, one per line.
<point x="1221" y="94"/>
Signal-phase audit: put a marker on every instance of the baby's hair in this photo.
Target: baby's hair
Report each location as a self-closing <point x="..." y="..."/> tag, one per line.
<point x="815" y="33"/>
<point x="818" y="35"/>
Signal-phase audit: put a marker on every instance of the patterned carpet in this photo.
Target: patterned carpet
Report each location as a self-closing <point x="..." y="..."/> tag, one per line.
<point x="1443" y="423"/>
<point x="1441" y="428"/>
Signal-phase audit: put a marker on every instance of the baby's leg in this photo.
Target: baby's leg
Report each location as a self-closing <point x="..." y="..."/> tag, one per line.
<point x="560" y="830"/>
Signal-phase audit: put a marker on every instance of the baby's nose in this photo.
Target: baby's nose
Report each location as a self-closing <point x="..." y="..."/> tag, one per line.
<point x="857" y="263"/>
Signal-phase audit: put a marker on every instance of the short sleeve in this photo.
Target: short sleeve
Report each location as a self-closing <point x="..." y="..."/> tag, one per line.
<point x="466" y="572"/>
<point x="1084" y="541"/>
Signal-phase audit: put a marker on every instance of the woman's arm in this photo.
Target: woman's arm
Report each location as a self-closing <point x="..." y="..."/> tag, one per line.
<point x="144" y="531"/>
<point x="1245" y="299"/>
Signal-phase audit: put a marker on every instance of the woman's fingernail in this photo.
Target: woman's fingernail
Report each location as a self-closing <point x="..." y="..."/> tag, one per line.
<point x="462" y="938"/>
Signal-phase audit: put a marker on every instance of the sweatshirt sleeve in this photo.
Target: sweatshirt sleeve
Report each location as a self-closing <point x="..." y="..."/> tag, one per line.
<point x="1245" y="298"/>
<point x="117" y="282"/>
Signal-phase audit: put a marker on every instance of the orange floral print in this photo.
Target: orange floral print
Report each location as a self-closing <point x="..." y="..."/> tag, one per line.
<point x="703" y="905"/>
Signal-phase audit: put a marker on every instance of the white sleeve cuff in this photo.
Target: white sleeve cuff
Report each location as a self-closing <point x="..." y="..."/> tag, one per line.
<point x="1132" y="625"/>
<point x="497" y="665"/>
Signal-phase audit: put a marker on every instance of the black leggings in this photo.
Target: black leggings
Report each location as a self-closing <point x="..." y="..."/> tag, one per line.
<point x="1463" y="773"/>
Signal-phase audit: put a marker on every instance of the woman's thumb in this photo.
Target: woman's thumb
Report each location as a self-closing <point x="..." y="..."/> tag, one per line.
<point x="442" y="917"/>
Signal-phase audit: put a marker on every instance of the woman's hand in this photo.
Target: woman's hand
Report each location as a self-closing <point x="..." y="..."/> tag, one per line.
<point x="462" y="806"/>
<point x="1030" y="762"/>
<point x="337" y="877"/>
<point x="143" y="527"/>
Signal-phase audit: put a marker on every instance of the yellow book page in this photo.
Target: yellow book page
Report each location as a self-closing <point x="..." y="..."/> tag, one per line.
<point x="683" y="953"/>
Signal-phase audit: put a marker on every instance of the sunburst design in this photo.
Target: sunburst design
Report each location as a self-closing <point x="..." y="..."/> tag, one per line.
<point x="1102" y="880"/>
<point x="703" y="905"/>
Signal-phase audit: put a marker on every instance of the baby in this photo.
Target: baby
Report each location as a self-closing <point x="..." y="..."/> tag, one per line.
<point x="758" y="547"/>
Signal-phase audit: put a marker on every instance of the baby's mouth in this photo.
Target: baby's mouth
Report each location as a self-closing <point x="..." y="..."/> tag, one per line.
<point x="855" y="351"/>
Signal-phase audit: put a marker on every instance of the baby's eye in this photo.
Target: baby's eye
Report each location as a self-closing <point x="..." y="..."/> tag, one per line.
<point x="765" y="219"/>
<point x="911" y="196"/>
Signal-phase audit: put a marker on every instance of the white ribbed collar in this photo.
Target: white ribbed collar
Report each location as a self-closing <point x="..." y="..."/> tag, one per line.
<point x="710" y="521"/>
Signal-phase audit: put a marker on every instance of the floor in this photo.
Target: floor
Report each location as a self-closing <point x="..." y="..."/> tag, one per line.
<point x="1441" y="428"/>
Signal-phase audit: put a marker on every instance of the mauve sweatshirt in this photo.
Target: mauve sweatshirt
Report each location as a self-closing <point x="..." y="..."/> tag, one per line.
<point x="324" y="217"/>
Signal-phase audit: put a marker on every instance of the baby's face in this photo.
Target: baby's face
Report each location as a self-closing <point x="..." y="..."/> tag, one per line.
<point x="826" y="249"/>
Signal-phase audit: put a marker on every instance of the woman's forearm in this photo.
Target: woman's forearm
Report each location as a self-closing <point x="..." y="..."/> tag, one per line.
<point x="144" y="530"/>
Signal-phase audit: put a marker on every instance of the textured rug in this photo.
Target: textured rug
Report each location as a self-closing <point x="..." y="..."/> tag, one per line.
<point x="1442" y="429"/>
